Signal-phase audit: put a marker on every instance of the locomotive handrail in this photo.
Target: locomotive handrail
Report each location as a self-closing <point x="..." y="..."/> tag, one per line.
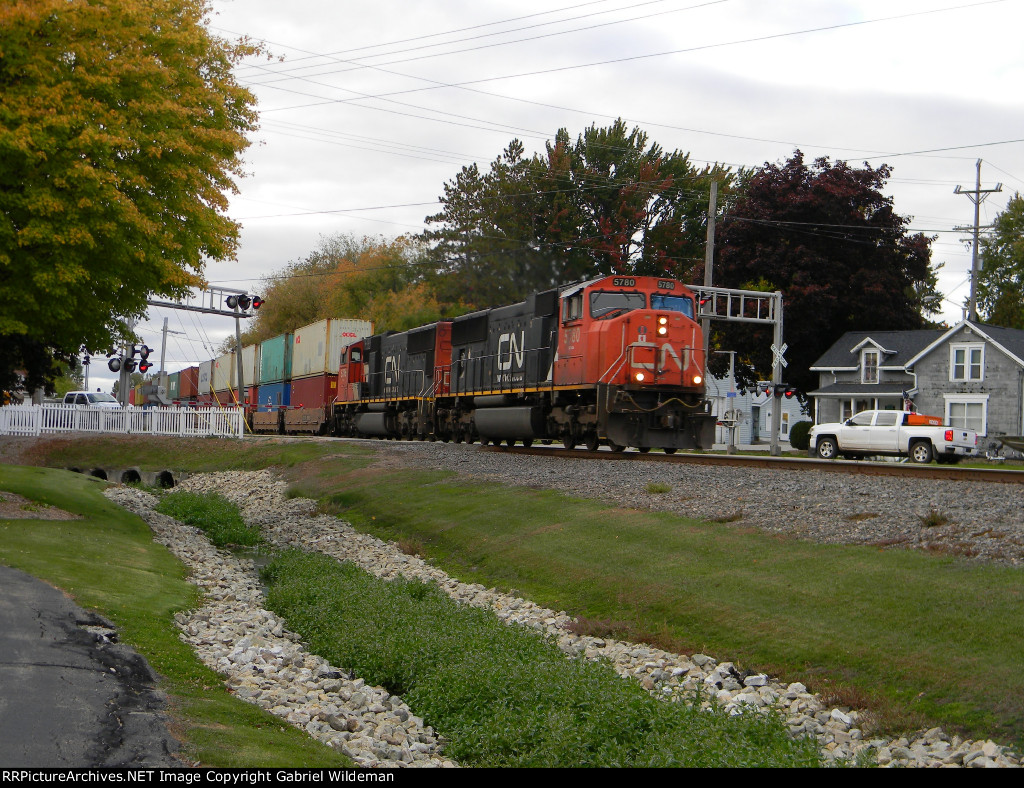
<point x="613" y="369"/>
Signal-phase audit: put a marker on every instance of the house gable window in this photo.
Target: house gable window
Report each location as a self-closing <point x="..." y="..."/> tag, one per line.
<point x="967" y="362"/>
<point x="869" y="366"/>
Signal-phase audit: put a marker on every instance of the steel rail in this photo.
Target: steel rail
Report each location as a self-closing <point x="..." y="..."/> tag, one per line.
<point x="862" y="467"/>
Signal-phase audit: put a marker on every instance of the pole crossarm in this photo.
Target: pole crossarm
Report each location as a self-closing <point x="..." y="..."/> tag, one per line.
<point x="740" y="306"/>
<point x="203" y="309"/>
<point x="212" y="301"/>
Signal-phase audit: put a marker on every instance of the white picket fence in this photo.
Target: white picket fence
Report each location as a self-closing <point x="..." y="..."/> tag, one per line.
<point x="34" y="420"/>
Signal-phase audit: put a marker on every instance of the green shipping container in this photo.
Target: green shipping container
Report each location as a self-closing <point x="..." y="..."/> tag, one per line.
<point x="174" y="386"/>
<point x="276" y="359"/>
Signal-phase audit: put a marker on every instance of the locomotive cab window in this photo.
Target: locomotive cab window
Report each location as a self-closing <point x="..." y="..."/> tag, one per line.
<point x="572" y="308"/>
<point x="607" y="304"/>
<point x="673" y="304"/>
<point x="356" y="355"/>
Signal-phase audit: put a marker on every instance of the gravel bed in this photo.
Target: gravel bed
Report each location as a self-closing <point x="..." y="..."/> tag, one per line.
<point x="980" y="521"/>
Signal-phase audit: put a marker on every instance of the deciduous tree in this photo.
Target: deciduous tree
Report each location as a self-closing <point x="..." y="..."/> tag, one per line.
<point x="121" y="127"/>
<point x="827" y="237"/>
<point x="607" y="203"/>
<point x="1001" y="284"/>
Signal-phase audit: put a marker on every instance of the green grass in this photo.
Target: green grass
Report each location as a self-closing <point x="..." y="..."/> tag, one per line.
<point x="213" y="514"/>
<point x="108" y="562"/>
<point x="924" y="639"/>
<point x="502" y="695"/>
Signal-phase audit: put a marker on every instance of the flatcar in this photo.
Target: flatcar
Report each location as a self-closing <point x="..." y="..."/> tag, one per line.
<point x="617" y="360"/>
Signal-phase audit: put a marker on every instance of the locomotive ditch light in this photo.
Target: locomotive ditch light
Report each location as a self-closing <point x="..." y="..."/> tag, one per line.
<point x="697" y="380"/>
<point x="640" y="377"/>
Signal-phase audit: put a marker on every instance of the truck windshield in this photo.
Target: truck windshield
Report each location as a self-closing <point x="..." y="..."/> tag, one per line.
<point x="100" y="397"/>
<point x="673" y="303"/>
<point x="606" y="304"/>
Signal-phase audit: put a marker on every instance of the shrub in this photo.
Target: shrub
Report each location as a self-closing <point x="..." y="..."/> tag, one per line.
<point x="798" y="437"/>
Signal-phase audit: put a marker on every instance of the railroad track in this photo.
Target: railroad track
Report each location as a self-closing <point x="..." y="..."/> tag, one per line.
<point x="863" y="467"/>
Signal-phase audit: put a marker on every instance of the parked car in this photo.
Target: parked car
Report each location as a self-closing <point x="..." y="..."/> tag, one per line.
<point x="96" y="399"/>
<point x="893" y="432"/>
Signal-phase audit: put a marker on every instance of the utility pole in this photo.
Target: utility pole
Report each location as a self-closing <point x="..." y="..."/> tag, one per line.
<point x="977" y="195"/>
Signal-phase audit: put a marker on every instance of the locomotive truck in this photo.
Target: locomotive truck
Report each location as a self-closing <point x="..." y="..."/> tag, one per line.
<point x="616" y="360"/>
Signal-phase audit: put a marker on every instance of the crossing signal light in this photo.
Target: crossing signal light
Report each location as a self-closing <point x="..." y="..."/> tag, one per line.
<point x="114" y="365"/>
<point x="130" y="365"/>
<point x="243" y="301"/>
<point x="145" y="366"/>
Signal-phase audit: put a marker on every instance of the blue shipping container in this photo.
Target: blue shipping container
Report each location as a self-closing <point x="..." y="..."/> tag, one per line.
<point x="271" y="396"/>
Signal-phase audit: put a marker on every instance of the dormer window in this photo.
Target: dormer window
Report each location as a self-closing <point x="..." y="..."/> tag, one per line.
<point x="869" y="366"/>
<point x="967" y="363"/>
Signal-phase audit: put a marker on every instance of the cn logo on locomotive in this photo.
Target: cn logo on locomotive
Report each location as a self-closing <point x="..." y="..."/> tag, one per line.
<point x="514" y="347"/>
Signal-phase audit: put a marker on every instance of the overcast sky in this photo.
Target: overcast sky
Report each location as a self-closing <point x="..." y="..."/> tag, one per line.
<point x="375" y="105"/>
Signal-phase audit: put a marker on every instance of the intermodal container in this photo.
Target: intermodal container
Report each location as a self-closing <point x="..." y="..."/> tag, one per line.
<point x="204" y="381"/>
<point x="276" y="359"/>
<point x="174" y="386"/>
<point x="188" y="383"/>
<point x="224" y="398"/>
<point x="224" y="372"/>
<point x="313" y="392"/>
<point x="250" y="366"/>
<point x="316" y="349"/>
<point x="274" y="395"/>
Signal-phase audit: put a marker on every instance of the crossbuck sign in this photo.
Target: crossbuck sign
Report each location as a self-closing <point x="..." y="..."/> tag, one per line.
<point x="777" y="353"/>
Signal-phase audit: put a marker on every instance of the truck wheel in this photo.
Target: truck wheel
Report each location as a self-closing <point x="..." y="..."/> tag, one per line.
<point x="828" y="449"/>
<point x="921" y="452"/>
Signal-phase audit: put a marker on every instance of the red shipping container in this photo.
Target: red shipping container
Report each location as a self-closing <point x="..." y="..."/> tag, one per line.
<point x="188" y="383"/>
<point x="314" y="392"/>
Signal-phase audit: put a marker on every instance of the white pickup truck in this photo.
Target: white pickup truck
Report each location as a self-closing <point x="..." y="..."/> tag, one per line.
<point x="893" y="432"/>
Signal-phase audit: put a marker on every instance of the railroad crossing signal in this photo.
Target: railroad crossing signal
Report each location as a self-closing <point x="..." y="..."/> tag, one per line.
<point x="777" y="355"/>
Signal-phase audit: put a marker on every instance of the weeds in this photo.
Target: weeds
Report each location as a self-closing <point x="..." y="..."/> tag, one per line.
<point x="656" y="488"/>
<point x="728" y="518"/>
<point x="213" y="514"/>
<point x="504" y="695"/>
<point x="933" y="519"/>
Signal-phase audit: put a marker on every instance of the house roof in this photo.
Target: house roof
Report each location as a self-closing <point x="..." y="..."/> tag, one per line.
<point x="863" y="390"/>
<point x="1009" y="340"/>
<point x="900" y="347"/>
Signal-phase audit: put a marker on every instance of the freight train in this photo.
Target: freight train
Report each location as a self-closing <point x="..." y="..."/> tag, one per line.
<point x="616" y="360"/>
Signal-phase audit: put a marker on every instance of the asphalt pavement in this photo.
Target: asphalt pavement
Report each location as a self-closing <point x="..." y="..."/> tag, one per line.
<point x="70" y="695"/>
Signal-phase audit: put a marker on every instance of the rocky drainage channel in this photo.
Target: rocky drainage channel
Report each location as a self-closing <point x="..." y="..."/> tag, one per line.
<point x="265" y="664"/>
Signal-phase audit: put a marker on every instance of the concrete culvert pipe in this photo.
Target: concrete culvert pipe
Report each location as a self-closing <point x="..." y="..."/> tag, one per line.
<point x="131" y="476"/>
<point x="99" y="473"/>
<point x="165" y="479"/>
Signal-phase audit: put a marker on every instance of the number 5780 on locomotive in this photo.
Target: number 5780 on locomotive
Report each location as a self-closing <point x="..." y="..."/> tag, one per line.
<point x="616" y="360"/>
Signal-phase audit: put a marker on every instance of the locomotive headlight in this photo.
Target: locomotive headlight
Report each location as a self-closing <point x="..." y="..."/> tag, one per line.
<point x="662" y="325"/>
<point x="697" y="380"/>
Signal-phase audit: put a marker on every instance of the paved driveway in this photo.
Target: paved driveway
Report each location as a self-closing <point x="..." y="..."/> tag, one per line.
<point x="69" y="695"/>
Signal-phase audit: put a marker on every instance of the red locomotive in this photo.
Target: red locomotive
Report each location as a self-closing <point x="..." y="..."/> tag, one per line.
<point x="618" y="360"/>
